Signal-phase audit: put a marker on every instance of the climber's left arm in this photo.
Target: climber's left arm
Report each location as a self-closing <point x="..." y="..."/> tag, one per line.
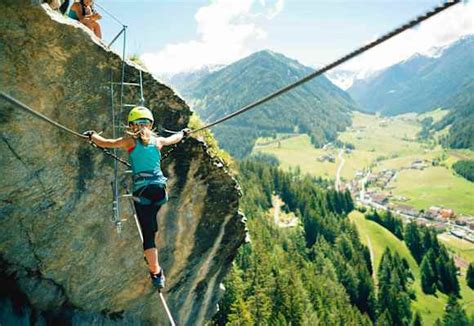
<point x="174" y="139"/>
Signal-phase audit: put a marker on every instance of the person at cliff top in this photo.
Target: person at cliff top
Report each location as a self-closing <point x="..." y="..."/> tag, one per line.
<point x="82" y="11"/>
<point x="149" y="183"/>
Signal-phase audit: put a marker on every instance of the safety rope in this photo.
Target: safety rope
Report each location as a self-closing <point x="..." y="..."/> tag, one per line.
<point x="336" y="63"/>
<point x="109" y="153"/>
<point x="168" y="152"/>
<point x="58" y="125"/>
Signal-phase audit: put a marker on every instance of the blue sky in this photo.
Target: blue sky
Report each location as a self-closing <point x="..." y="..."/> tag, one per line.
<point x="173" y="36"/>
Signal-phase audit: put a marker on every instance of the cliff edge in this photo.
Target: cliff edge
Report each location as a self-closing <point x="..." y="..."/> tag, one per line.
<point x="60" y="255"/>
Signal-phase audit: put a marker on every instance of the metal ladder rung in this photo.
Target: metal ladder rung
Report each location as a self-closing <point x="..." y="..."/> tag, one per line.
<point x="130" y="105"/>
<point x="127" y="84"/>
<point x="126" y="196"/>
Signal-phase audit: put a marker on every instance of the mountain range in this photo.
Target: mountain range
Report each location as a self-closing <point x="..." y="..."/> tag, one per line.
<point x="318" y="108"/>
<point x="420" y="83"/>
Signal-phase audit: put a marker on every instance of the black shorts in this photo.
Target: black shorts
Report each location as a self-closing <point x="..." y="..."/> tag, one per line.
<point x="147" y="214"/>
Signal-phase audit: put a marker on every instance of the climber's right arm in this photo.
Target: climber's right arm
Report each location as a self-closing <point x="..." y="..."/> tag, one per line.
<point x="122" y="142"/>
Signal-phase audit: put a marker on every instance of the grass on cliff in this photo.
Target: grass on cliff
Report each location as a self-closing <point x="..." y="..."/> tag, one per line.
<point x="207" y="136"/>
<point x="430" y="307"/>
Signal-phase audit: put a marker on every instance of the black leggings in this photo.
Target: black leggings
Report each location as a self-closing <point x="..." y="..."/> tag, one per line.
<point x="147" y="213"/>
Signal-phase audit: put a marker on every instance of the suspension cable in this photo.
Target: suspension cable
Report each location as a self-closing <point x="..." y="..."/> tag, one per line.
<point x="40" y="115"/>
<point x="336" y="63"/>
<point x="109" y="13"/>
<point x="58" y="125"/>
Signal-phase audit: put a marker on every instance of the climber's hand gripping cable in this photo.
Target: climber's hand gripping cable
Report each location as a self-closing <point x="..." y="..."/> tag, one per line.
<point x="186" y="132"/>
<point x="89" y="134"/>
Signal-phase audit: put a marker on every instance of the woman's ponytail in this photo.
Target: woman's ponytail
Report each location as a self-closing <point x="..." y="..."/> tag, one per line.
<point x="145" y="135"/>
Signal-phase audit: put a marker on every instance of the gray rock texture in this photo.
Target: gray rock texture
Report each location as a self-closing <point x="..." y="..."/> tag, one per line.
<point x="61" y="258"/>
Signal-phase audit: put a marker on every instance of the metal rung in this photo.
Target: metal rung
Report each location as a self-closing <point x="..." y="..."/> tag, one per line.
<point x="130" y="105"/>
<point x="128" y="171"/>
<point x="126" y="196"/>
<point x="127" y="84"/>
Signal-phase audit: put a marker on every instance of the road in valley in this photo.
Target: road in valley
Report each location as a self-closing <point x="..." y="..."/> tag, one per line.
<point x="337" y="185"/>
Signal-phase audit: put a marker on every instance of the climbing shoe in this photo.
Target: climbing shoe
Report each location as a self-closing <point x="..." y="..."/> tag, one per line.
<point x="158" y="280"/>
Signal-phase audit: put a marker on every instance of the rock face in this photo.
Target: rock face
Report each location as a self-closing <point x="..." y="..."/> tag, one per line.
<point x="60" y="255"/>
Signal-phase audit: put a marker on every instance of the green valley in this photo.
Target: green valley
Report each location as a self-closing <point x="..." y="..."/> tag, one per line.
<point x="385" y="143"/>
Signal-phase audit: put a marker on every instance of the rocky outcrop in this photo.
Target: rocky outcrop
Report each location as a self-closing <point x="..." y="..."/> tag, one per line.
<point x="61" y="257"/>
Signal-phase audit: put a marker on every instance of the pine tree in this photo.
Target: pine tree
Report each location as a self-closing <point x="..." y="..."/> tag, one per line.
<point x="454" y="315"/>
<point x="446" y="272"/>
<point x="392" y="296"/>
<point x="240" y="314"/>
<point x="259" y="302"/>
<point x="470" y="276"/>
<point x="234" y="292"/>
<point x="428" y="277"/>
<point x="413" y="240"/>
<point x="417" y="321"/>
<point x="384" y="319"/>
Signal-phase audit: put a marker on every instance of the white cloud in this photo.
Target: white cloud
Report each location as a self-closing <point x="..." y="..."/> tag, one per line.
<point x="224" y="30"/>
<point x="438" y="31"/>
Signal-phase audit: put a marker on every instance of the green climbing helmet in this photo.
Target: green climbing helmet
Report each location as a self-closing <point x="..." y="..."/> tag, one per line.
<point x="140" y="112"/>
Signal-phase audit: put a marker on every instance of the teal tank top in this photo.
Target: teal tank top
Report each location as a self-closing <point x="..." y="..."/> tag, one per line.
<point x="146" y="165"/>
<point x="72" y="14"/>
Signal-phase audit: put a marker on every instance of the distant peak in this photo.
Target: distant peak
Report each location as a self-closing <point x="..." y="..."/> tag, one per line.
<point x="265" y="52"/>
<point x="272" y="55"/>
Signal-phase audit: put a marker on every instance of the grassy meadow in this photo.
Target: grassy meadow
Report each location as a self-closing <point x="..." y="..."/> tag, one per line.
<point x="461" y="248"/>
<point x="435" y="185"/>
<point x="298" y="151"/>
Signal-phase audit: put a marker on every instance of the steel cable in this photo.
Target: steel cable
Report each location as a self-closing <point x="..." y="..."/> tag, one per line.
<point x="336" y="63"/>
<point x="58" y="125"/>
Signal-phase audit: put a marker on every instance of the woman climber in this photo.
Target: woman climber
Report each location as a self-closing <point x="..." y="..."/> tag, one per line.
<point x="149" y="183"/>
<point x="83" y="12"/>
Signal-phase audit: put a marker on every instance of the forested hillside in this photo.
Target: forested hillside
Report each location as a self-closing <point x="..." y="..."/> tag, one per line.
<point x="465" y="168"/>
<point x="318" y="108"/>
<point x="460" y="118"/>
<point x="420" y="83"/>
<point x="317" y="273"/>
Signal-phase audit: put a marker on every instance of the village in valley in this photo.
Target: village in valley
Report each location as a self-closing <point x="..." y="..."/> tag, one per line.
<point x="385" y="166"/>
<point x="374" y="189"/>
